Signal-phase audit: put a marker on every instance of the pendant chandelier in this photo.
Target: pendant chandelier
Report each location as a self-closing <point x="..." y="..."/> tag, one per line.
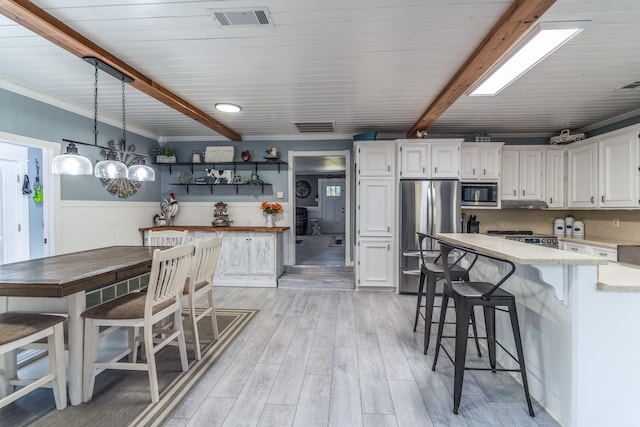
<point x="71" y="163"/>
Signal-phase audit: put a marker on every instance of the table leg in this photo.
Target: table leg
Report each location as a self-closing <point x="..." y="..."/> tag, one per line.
<point x="7" y="361"/>
<point x="76" y="305"/>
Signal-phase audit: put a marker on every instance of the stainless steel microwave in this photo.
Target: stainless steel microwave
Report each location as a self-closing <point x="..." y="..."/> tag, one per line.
<point x="480" y="194"/>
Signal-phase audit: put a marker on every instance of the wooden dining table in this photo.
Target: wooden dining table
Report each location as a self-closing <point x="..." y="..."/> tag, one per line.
<point x="59" y="284"/>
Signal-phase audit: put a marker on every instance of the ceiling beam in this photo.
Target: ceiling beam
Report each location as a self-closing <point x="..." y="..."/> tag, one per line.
<point x="516" y="21"/>
<point x="40" y="22"/>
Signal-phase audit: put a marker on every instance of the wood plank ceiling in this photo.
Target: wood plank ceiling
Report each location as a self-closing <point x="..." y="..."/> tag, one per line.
<point x="359" y="65"/>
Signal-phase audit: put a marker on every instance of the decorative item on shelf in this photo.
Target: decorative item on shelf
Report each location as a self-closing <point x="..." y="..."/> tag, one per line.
<point x="254" y="180"/>
<point x="219" y="175"/>
<point x="272" y="153"/>
<point x="220" y="215"/>
<point x="159" y="219"/>
<point x="218" y="154"/>
<point x="165" y="155"/>
<point x="482" y="137"/>
<point x="184" y="177"/>
<point x="422" y="134"/>
<point x="246" y="155"/>
<point x="271" y="209"/>
<point x="196" y="157"/>
<point x="566" y="137"/>
<point x="170" y="208"/>
<point x="203" y="180"/>
<point x="237" y="179"/>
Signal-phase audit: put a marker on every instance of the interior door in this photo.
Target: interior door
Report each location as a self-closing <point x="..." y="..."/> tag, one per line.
<point x="332" y="200"/>
<point x="14" y="222"/>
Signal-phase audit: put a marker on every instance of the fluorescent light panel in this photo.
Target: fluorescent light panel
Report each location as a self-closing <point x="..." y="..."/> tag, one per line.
<point x="542" y="41"/>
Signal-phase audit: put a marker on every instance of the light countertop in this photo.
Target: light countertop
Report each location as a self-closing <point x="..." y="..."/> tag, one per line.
<point x="518" y="252"/>
<point x="615" y="277"/>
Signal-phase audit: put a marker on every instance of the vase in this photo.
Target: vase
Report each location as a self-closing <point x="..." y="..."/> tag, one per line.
<point x="271" y="220"/>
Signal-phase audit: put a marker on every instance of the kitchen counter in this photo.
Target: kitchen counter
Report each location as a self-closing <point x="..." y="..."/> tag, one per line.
<point x="232" y="228"/>
<point x="519" y="253"/>
<point x="575" y="311"/>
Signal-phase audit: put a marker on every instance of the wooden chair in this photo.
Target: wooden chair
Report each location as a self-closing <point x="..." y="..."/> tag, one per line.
<point x="20" y="329"/>
<point x="169" y="271"/>
<point x="199" y="283"/>
<point x="167" y="238"/>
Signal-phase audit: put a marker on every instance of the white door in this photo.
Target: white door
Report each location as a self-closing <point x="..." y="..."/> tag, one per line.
<point x="469" y="162"/>
<point x="375" y="159"/>
<point x="415" y="160"/>
<point x="618" y="177"/>
<point x="509" y="185"/>
<point x="583" y="174"/>
<point x="490" y="162"/>
<point x="375" y="207"/>
<point x="332" y="205"/>
<point x="375" y="262"/>
<point x="445" y="160"/>
<point x="14" y="208"/>
<point x="530" y="175"/>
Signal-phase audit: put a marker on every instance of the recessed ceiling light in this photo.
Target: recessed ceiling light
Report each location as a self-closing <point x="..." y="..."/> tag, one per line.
<point x="228" y="108"/>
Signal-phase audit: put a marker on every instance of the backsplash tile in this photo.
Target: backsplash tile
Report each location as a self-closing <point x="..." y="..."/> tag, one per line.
<point x="597" y="224"/>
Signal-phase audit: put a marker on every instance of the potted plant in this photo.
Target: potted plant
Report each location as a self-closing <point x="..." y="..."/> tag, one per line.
<point x="165" y="155"/>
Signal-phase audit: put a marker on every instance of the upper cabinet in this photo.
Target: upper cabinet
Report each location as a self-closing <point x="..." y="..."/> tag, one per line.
<point x="556" y="178"/>
<point x="604" y="173"/>
<point x="583" y="175"/>
<point x="376" y="159"/>
<point x="433" y="158"/>
<point x="618" y="171"/>
<point x="480" y="161"/>
<point x="522" y="177"/>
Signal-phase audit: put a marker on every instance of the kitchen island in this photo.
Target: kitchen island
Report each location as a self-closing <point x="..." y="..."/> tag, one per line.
<point x="251" y="255"/>
<point x="580" y="342"/>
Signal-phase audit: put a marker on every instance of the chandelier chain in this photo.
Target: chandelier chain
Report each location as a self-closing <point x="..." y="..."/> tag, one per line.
<point x="95" y="107"/>
<point x="124" y="123"/>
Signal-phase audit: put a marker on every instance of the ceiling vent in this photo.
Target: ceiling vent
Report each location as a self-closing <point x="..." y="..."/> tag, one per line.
<point x="314" y="127"/>
<point x="244" y="17"/>
<point x="631" y="85"/>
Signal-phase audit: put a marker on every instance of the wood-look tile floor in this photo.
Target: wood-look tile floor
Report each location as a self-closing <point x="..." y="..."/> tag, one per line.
<point x="315" y="357"/>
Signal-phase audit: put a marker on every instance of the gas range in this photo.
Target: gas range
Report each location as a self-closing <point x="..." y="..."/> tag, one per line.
<point x="527" y="236"/>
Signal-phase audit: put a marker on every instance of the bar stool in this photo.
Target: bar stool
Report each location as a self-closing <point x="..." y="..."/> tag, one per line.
<point x="21" y="329"/>
<point x="430" y="274"/>
<point x="467" y="295"/>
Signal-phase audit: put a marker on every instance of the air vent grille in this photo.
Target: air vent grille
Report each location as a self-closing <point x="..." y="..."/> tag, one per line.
<point x="244" y="17"/>
<point x="314" y="127"/>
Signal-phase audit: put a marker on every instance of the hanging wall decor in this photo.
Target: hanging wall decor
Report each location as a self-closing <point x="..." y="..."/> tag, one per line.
<point x="122" y="187"/>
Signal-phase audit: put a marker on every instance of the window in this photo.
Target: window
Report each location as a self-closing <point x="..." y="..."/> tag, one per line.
<point x="333" y="191"/>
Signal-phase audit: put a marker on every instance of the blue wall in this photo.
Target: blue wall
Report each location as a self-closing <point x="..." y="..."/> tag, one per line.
<point x="24" y="116"/>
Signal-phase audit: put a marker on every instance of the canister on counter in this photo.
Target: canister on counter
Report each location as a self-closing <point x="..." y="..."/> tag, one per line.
<point x="558" y="227"/>
<point x="568" y="226"/>
<point x="578" y="230"/>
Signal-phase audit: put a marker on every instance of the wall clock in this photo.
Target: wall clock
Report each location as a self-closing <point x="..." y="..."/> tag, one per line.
<point x="303" y="189"/>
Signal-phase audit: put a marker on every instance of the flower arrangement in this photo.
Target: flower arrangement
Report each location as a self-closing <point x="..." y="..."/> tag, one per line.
<point x="271" y="208"/>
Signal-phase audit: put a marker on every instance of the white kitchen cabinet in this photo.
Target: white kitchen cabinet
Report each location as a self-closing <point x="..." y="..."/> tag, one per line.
<point x="521" y="174"/>
<point x="375" y="207"/>
<point x="583" y="176"/>
<point x="618" y="171"/>
<point x="608" y="253"/>
<point x="480" y="161"/>
<point x="445" y="160"/>
<point x="249" y="259"/>
<point x="375" y="159"/>
<point x="375" y="216"/>
<point x="576" y="247"/>
<point x="555" y="176"/>
<point x="375" y="263"/>
<point x="415" y="160"/>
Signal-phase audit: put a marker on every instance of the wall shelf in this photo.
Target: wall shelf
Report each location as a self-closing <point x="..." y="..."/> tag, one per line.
<point x="211" y="186"/>
<point x="255" y="165"/>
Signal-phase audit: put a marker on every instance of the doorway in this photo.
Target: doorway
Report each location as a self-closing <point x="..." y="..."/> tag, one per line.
<point x="320" y="199"/>
<point x="26" y="224"/>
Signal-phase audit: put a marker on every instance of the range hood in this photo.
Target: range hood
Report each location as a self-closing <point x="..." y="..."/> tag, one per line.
<point x="524" y="204"/>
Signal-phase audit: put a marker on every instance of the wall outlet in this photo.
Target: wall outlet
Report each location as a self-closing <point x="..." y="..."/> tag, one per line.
<point x="616" y="223"/>
<point x="280" y="195"/>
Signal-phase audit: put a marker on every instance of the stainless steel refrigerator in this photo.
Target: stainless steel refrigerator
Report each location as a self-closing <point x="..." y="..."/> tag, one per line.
<point x="427" y="206"/>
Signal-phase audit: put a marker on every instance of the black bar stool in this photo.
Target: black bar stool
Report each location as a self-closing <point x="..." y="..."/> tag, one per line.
<point x="467" y="295"/>
<point x="430" y="274"/>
